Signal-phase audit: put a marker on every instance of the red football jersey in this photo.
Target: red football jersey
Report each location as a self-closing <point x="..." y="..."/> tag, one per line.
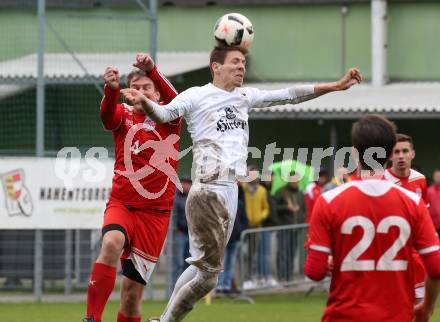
<point x="371" y="228"/>
<point x="148" y="146"/>
<point x="311" y="194"/>
<point x="415" y="182"/>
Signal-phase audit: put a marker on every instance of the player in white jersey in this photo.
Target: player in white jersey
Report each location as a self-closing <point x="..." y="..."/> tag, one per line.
<point x="217" y="119"/>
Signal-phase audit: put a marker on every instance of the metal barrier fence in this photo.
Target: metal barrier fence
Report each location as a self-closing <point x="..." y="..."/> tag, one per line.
<point x="60" y="261"/>
<point x="47" y="259"/>
<point x="271" y="258"/>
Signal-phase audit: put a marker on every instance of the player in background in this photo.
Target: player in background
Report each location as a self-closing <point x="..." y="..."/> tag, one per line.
<point x="217" y="118"/>
<point x="371" y="227"/>
<point x="136" y="217"/>
<point x="434" y="199"/>
<point x="401" y="174"/>
<point x="400" y="171"/>
<point x="313" y="191"/>
<point x="341" y="176"/>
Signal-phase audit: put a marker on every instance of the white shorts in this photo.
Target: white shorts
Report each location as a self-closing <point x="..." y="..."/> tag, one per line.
<point x="210" y="212"/>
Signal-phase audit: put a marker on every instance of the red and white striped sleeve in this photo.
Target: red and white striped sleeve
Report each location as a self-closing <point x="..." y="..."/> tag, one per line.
<point x="166" y="90"/>
<point x="319" y="241"/>
<point x="110" y="111"/>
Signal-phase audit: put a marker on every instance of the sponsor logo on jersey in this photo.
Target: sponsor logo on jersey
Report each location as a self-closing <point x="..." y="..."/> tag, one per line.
<point x="149" y="125"/>
<point x="229" y="120"/>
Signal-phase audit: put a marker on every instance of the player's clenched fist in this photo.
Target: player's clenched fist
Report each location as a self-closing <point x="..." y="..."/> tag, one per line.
<point x="111" y="77"/>
<point x="353" y="76"/>
<point x="144" y="62"/>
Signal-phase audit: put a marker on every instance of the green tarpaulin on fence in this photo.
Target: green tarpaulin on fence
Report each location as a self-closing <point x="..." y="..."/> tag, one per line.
<point x="281" y="171"/>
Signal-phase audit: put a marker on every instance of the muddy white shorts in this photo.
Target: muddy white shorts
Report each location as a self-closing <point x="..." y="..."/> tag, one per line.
<point x="210" y="212"/>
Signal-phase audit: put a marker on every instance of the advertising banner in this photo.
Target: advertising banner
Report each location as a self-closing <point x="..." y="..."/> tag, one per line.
<point x="51" y="193"/>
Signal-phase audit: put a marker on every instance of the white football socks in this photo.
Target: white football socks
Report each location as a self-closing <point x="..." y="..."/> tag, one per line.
<point x="191" y="286"/>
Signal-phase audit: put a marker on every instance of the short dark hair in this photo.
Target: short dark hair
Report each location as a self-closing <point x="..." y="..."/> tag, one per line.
<point x="135" y="72"/>
<point x="373" y="131"/>
<point x="218" y="54"/>
<point x="400" y="137"/>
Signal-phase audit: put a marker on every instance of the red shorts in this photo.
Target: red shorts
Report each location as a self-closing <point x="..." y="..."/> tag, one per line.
<point x="145" y="231"/>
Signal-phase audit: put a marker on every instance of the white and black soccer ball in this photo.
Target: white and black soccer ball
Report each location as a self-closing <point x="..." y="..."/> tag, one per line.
<point x="235" y="30"/>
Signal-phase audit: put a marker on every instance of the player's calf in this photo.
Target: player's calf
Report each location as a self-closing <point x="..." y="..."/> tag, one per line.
<point x="189" y="294"/>
<point x="131" y="297"/>
<point x="102" y="279"/>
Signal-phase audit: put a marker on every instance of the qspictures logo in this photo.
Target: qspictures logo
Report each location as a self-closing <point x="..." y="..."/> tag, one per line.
<point x="18" y="201"/>
<point x="164" y="150"/>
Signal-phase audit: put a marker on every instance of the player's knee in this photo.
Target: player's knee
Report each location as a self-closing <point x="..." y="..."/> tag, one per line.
<point x="112" y="245"/>
<point x="212" y="281"/>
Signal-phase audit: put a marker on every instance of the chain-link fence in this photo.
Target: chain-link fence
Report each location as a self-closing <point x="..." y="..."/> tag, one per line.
<point x="64" y="48"/>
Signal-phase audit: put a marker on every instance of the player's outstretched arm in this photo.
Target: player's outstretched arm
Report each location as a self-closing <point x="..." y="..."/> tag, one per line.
<point x="352" y="77"/>
<point x="306" y="92"/>
<point x="111" y="116"/>
<point x="146" y="63"/>
<point x="158" y="113"/>
<point x="302" y="93"/>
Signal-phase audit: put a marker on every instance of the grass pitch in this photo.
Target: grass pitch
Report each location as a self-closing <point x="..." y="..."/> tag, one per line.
<point x="280" y="308"/>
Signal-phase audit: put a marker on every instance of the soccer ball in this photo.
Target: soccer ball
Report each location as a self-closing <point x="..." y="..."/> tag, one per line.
<point x="235" y="30"/>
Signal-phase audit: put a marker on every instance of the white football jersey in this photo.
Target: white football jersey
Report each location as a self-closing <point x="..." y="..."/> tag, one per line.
<point x="218" y="123"/>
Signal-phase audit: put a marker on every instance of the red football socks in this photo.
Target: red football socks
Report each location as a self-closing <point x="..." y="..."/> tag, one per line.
<point x="100" y="287"/>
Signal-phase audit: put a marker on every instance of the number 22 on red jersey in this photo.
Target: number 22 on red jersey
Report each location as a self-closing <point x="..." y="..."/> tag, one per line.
<point x="387" y="261"/>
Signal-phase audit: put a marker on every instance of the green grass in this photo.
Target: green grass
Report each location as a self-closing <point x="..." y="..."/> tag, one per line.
<point x="280" y="308"/>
